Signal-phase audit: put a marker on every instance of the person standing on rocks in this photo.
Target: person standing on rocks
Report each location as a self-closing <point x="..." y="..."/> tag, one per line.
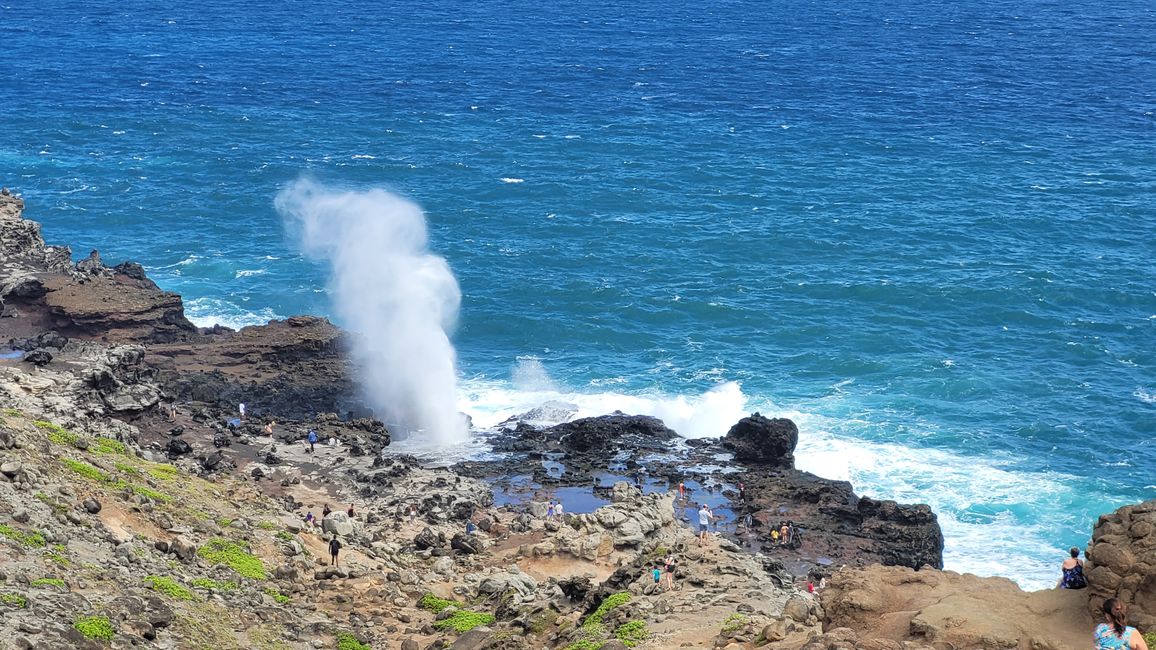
<point x="671" y="565"/>
<point x="241" y="410"/>
<point x="350" y="511"/>
<point x="269" y="427"/>
<point x="550" y="511"/>
<point x="558" y="509"/>
<point x="412" y="513"/>
<point x="334" y="549"/>
<point x="312" y="438"/>
<point x="704" y="518"/>
<point x="325" y="511"/>
<point x="681" y="491"/>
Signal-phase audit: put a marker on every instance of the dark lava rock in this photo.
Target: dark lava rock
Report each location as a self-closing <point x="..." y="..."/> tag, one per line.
<point x="759" y="439"/>
<point x="92" y="506"/>
<point x="467" y="544"/>
<point x="576" y="588"/>
<point x="39" y="357"/>
<point x="428" y="539"/>
<point x="178" y="447"/>
<point x="213" y="460"/>
<point x="608" y="431"/>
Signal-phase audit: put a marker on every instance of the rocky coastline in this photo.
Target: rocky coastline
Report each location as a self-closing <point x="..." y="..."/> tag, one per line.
<point x="140" y="510"/>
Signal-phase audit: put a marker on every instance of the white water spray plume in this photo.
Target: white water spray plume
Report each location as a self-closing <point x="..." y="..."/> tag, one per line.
<point x="400" y="299"/>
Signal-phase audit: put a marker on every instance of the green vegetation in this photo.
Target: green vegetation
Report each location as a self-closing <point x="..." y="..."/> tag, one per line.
<point x="86" y="470"/>
<point x="13" y="412"/>
<point x="100" y="445"/>
<point x="162" y="472"/>
<point x="205" y="583"/>
<point x="734" y="622"/>
<point x="170" y="587"/>
<point x="1150" y="638"/>
<point x="57" y="433"/>
<point x="127" y="469"/>
<point x="631" y="633"/>
<point x="277" y="596"/>
<point x="57" y="507"/>
<point x="346" y="641"/>
<point x="14" y="600"/>
<point x="613" y="600"/>
<point x="224" y="522"/>
<point x="149" y="493"/>
<point x="268" y="525"/>
<point x="233" y="555"/>
<point x="434" y="604"/>
<point x="285" y="536"/>
<point x="32" y="539"/>
<point x="55" y="556"/>
<point x="47" y="582"/>
<point x="584" y="644"/>
<point x="98" y="628"/>
<point x="545" y="619"/>
<point x="463" y="620"/>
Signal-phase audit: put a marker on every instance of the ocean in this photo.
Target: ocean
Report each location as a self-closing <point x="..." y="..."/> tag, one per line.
<point x="924" y="231"/>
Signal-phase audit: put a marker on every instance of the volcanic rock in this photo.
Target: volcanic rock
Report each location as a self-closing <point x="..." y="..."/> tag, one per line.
<point x="608" y="431"/>
<point x="758" y="439"/>
<point x="1122" y="563"/>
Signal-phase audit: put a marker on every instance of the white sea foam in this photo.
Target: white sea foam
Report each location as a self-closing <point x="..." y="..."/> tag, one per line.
<point x="507" y="179"/>
<point x="1145" y="396"/>
<point x="246" y="273"/>
<point x="207" y="312"/>
<point x="983" y="506"/>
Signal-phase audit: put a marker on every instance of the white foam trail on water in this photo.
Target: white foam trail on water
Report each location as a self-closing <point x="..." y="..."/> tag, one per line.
<point x="386" y="286"/>
<point x="207" y="312"/>
<point x="982" y="505"/>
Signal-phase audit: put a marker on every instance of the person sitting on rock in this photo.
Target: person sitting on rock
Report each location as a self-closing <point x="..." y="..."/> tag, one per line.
<point x="471" y="527"/>
<point x="309" y="518"/>
<point x="325" y="511"/>
<point x="269" y="427"/>
<point x="1073" y="571"/>
<point x="1115" y="634"/>
<point x="334" y="549"/>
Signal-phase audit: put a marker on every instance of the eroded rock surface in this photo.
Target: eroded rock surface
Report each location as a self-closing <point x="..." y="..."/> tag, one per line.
<point x="1122" y="562"/>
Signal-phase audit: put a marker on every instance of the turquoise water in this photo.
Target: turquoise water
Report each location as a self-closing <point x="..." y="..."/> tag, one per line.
<point x="923" y="231"/>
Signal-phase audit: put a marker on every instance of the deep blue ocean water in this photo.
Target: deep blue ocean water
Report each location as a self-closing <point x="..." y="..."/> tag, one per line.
<point x="923" y="230"/>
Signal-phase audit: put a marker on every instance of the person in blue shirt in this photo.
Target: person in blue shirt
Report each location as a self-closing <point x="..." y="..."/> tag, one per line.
<point x="312" y="440"/>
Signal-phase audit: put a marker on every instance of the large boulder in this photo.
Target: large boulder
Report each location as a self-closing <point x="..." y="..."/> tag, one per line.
<point x="608" y="431"/>
<point x="763" y="440"/>
<point x="338" y="523"/>
<point x="1122" y="563"/>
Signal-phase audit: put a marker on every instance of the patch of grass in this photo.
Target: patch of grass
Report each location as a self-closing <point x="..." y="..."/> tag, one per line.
<point x="346" y="641"/>
<point x="584" y="644"/>
<point x="150" y="493"/>
<point x="277" y="596"/>
<point x="268" y="525"/>
<point x="434" y="604"/>
<point x="127" y="469"/>
<point x="86" y="470"/>
<point x="101" y="445"/>
<point x="233" y="555"/>
<point x="98" y="628"/>
<point x="14" y="600"/>
<point x="1150" y="639"/>
<point x="734" y="622"/>
<point x="285" y="536"/>
<point x="162" y="472"/>
<point x="54" y="556"/>
<point x="47" y="582"/>
<point x="33" y="539"/>
<point x="57" y="507"/>
<point x="224" y="522"/>
<point x="543" y="620"/>
<point x="206" y="583"/>
<point x="16" y="413"/>
<point x="609" y="603"/>
<point x="57" y="433"/>
<point x="632" y="633"/>
<point x="170" y="587"/>
<point x="463" y="620"/>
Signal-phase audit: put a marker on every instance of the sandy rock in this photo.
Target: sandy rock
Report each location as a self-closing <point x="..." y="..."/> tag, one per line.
<point x="1122" y="562"/>
<point x="338" y="523"/>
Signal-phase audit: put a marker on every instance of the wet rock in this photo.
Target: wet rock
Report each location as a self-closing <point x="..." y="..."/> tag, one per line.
<point x="762" y="440"/>
<point x="609" y="431"/>
<point x="38" y="357"/>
